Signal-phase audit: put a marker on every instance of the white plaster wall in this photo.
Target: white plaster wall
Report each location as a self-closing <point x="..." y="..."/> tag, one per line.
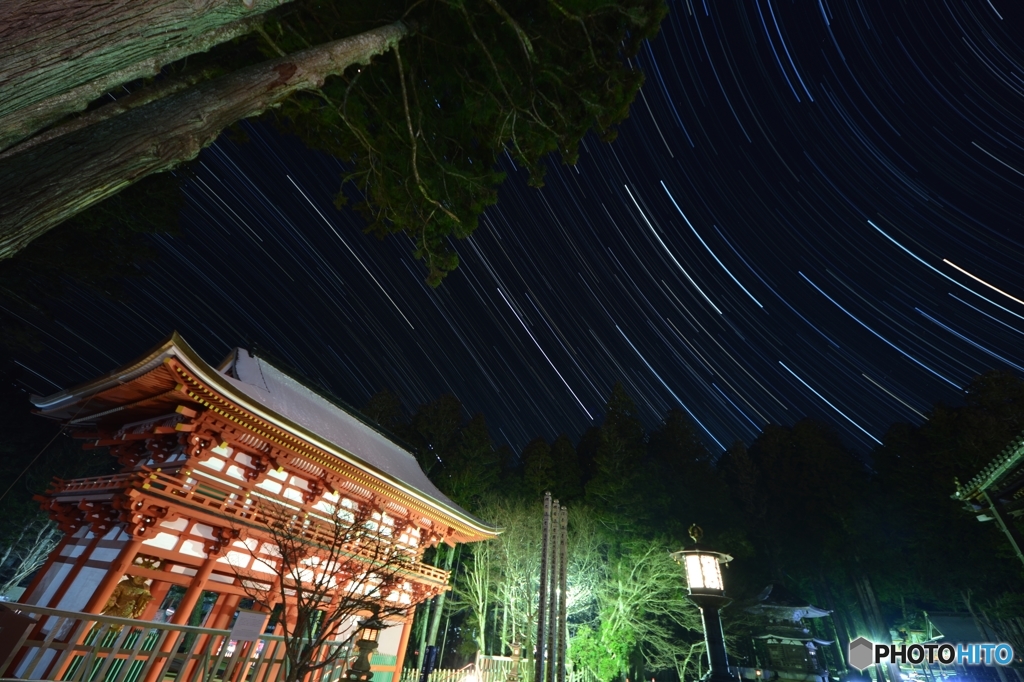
<point x="40" y="668"/>
<point x="48" y="585"/>
<point x="105" y="554"/>
<point x="81" y="589"/>
<point x="390" y="637"/>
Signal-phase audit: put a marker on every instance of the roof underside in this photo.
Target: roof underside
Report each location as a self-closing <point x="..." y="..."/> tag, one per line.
<point x="255" y="385"/>
<point x="777" y="601"/>
<point x="1003" y="477"/>
<point x="954" y="628"/>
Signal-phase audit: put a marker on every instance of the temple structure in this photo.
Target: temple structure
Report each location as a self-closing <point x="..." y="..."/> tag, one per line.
<point x="200" y="448"/>
<point x="996" y="493"/>
<point x="785" y="648"/>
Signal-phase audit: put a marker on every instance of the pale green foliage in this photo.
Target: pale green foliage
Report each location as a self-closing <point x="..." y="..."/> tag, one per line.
<point x="641" y="607"/>
<point x="509" y="568"/>
<point x="623" y="599"/>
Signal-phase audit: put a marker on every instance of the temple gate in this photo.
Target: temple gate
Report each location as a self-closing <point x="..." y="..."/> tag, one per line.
<point x="199" y="448"/>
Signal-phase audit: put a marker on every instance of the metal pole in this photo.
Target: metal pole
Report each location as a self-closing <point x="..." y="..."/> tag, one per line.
<point x="714" y="639"/>
<point x="542" y="603"/>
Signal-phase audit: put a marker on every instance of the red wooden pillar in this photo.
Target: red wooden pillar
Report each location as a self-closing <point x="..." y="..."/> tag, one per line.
<point x="114" y="575"/>
<point x="218" y="613"/>
<point x="403" y="645"/>
<point x="180" y="617"/>
<point x="277" y="651"/>
<point x="225" y="611"/>
<point x="194" y="591"/>
<point x="65" y="541"/>
<point x="103" y="591"/>
<point x="54" y="555"/>
<point x="158" y="589"/>
<point x="76" y="568"/>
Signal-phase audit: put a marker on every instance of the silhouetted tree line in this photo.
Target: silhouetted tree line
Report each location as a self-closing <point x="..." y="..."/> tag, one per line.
<point x="875" y="538"/>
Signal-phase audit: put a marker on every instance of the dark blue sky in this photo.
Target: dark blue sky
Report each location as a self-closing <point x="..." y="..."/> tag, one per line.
<point x="814" y="209"/>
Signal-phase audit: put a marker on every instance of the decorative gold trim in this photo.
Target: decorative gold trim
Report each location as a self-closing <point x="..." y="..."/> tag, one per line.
<point x="283" y="438"/>
<point x="174" y="350"/>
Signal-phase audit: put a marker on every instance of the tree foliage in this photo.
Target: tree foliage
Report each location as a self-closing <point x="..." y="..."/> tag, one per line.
<point x="869" y="538"/>
<point x="917" y="467"/>
<point x="423" y="125"/>
<point x="644" y="619"/>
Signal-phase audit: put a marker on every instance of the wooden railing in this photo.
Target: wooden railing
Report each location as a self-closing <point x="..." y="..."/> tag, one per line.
<point x="206" y="493"/>
<point x="95" y="483"/>
<point x="69" y="646"/>
<point x="490" y="669"/>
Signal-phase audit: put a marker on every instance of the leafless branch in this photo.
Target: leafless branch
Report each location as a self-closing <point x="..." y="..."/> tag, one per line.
<point x="324" y="567"/>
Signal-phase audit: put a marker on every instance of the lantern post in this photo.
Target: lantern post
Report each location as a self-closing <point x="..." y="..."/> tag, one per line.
<point x="705" y="589"/>
<point x="366" y="643"/>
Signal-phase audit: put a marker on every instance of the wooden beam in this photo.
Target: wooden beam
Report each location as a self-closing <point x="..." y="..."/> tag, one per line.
<point x="1016" y="541"/>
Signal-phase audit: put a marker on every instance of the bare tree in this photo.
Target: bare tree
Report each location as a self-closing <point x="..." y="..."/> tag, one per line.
<point x="516" y="560"/>
<point x="475" y="589"/>
<point x="324" y="568"/>
<point x="27" y="551"/>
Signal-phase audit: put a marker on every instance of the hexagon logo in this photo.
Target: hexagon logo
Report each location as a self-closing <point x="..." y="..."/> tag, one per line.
<point x="861" y="654"/>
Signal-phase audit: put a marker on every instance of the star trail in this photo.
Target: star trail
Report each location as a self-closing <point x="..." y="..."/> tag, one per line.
<point x="814" y="209"/>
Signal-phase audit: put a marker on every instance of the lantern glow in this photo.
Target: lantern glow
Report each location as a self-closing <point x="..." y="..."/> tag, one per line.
<point x="703" y="572"/>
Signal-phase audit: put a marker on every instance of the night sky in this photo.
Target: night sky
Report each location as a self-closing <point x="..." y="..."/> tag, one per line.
<point x="814" y="209"/>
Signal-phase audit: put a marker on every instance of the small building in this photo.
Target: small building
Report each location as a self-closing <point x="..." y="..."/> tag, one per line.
<point x="784" y="647"/>
<point x="938" y="627"/>
<point x="198" y="445"/>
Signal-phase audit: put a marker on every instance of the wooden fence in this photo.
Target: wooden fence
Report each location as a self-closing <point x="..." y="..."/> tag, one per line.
<point x="68" y="646"/>
<point x="490" y="669"/>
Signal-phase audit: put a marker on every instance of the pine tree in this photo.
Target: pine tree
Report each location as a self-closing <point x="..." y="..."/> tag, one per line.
<point x="538" y="467"/>
<point x="567" y="477"/>
<point x="617" y="484"/>
<point x="420" y="97"/>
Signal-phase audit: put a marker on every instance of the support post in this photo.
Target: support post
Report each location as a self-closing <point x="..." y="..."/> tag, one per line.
<point x="714" y="639"/>
<point x="225" y="611"/>
<point x="1016" y="541"/>
<point x="542" y="604"/>
<point x="114" y="575"/>
<point x="563" y="632"/>
<point x="194" y="591"/>
<point x="180" y="617"/>
<point x="99" y="598"/>
<point x="555" y="565"/>
<point x="403" y="644"/>
<point x="35" y="585"/>
<point x="158" y="589"/>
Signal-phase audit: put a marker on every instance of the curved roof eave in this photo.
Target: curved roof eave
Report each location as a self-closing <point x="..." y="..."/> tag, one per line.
<point x="176" y="346"/>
